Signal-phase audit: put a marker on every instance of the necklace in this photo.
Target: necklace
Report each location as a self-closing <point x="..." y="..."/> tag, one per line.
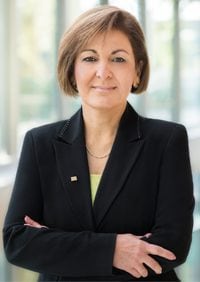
<point x="96" y="157"/>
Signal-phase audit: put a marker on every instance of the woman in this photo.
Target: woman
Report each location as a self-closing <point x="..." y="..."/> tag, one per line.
<point x="106" y="195"/>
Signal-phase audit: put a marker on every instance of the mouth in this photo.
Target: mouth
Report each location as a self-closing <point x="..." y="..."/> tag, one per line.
<point x="104" y="88"/>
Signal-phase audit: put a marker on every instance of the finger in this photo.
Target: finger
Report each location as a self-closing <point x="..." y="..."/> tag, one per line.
<point x="153" y="264"/>
<point x="26" y="224"/>
<point x="141" y="269"/>
<point x="31" y="222"/>
<point x="41" y="226"/>
<point x="159" y="251"/>
<point x="139" y="237"/>
<point x="134" y="272"/>
<point x="147" y="235"/>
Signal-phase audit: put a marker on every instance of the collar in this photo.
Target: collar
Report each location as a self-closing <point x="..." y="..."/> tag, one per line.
<point x="129" y="127"/>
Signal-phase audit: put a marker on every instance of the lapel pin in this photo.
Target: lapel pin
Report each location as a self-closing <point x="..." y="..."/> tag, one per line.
<point x="74" y="178"/>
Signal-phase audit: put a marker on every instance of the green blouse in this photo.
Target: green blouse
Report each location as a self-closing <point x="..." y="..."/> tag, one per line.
<point x="94" y="183"/>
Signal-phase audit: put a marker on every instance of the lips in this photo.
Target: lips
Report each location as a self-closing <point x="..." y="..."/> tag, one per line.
<point x="104" y="88"/>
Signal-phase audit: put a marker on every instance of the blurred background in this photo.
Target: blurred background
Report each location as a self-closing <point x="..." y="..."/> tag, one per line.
<point x="30" y="31"/>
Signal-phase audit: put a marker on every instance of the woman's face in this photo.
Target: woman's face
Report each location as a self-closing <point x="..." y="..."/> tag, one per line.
<point x="105" y="71"/>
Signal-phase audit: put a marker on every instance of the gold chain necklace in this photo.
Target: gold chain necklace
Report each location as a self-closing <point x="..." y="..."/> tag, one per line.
<point x="96" y="157"/>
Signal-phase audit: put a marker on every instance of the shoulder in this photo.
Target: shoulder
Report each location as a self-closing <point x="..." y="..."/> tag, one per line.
<point x="154" y="128"/>
<point x="159" y="124"/>
<point x="48" y="131"/>
<point x="162" y="129"/>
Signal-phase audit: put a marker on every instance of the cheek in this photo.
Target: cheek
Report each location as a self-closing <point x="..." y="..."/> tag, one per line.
<point x="81" y="74"/>
<point x="127" y="73"/>
<point x="128" y="80"/>
<point x="77" y="73"/>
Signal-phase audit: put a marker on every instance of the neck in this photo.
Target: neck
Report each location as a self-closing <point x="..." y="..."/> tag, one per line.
<point x="101" y="125"/>
<point x="100" y="131"/>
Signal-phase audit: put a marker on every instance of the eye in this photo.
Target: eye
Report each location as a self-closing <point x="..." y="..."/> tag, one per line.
<point x="118" y="60"/>
<point x="89" y="59"/>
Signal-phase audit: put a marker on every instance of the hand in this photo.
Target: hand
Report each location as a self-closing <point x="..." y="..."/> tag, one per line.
<point x="32" y="223"/>
<point x="131" y="254"/>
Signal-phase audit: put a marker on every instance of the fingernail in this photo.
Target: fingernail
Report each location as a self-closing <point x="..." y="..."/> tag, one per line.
<point x="173" y="256"/>
<point x="159" y="271"/>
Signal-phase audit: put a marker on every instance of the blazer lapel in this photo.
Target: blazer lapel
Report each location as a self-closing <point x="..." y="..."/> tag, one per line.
<point x="125" y="151"/>
<point x="73" y="169"/>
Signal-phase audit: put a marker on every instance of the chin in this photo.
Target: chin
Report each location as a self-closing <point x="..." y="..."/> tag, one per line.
<point x="105" y="106"/>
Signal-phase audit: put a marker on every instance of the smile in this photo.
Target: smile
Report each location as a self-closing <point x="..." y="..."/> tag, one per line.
<point x="104" y="88"/>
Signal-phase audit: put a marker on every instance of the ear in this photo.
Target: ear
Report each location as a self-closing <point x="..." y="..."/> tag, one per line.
<point x="73" y="83"/>
<point x="139" y="68"/>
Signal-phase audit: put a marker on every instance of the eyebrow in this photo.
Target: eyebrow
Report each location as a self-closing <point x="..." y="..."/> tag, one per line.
<point x="113" y="52"/>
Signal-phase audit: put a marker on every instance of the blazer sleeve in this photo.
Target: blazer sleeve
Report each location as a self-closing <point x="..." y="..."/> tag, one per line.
<point x="175" y="203"/>
<point x="45" y="250"/>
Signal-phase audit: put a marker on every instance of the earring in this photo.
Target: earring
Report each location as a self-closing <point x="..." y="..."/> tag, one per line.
<point x="136" y="83"/>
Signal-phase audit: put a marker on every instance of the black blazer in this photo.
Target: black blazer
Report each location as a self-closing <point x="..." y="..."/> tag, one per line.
<point x="146" y="187"/>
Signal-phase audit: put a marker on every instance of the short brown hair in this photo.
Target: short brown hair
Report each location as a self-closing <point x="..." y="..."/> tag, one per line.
<point x="94" y="21"/>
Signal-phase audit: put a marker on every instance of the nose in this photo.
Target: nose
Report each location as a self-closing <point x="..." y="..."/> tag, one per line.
<point x="103" y="71"/>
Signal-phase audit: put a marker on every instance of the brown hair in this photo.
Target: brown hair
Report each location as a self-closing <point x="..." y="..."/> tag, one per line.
<point x="94" y="21"/>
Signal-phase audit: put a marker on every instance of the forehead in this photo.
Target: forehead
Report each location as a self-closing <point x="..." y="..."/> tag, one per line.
<point x="109" y="39"/>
